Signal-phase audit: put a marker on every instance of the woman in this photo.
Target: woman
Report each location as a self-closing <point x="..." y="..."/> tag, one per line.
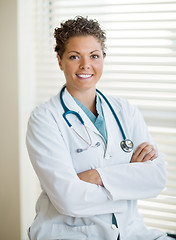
<point x="90" y="182"/>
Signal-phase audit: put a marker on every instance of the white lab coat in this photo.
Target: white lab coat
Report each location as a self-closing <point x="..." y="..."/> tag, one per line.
<point x="69" y="208"/>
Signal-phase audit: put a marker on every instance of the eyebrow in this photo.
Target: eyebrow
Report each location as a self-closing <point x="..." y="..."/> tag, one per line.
<point x="79" y="52"/>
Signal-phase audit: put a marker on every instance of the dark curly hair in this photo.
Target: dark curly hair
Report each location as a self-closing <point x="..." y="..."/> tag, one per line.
<point x="79" y="26"/>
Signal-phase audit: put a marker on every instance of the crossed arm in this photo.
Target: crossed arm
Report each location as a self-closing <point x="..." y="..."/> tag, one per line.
<point x="143" y="153"/>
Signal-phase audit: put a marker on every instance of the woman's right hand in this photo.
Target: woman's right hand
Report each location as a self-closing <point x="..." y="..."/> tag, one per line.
<point x="144" y="152"/>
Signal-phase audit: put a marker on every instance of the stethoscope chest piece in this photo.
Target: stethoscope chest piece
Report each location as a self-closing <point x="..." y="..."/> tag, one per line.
<point x="126" y="145"/>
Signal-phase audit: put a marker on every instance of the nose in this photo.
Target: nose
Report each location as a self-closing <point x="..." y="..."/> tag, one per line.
<point x="84" y="64"/>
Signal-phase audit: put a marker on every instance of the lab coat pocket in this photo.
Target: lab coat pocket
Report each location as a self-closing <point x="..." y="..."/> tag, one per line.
<point x="65" y="232"/>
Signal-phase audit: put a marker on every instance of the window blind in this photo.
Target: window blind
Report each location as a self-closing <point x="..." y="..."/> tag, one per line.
<point x="140" y="66"/>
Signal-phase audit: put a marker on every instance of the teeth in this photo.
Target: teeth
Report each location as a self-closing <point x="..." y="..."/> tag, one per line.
<point x="85" y="75"/>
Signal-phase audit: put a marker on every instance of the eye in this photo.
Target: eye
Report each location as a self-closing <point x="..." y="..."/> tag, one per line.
<point x="74" y="57"/>
<point x="94" y="56"/>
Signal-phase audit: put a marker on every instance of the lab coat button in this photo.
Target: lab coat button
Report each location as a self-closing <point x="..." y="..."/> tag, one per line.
<point x="113" y="226"/>
<point x="107" y="156"/>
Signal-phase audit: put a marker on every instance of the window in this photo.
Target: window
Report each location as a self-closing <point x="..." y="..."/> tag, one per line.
<point x="140" y="66"/>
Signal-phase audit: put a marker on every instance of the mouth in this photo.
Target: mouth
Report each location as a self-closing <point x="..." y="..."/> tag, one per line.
<point x="84" y="76"/>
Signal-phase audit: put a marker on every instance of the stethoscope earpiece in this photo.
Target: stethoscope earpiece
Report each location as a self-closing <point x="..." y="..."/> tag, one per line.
<point x="79" y="150"/>
<point x="97" y="144"/>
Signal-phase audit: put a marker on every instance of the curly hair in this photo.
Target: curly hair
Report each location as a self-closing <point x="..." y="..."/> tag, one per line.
<point x="79" y="26"/>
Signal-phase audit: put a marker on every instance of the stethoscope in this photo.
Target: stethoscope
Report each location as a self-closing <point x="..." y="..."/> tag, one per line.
<point x="126" y="144"/>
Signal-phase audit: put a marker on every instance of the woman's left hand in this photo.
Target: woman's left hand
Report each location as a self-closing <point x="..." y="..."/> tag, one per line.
<point x="91" y="176"/>
<point x="144" y="152"/>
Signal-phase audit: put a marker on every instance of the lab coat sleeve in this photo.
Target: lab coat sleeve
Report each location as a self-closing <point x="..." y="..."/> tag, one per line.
<point x="53" y="165"/>
<point x="138" y="180"/>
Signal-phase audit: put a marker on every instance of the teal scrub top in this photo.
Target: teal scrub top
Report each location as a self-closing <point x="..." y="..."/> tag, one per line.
<point x="98" y="121"/>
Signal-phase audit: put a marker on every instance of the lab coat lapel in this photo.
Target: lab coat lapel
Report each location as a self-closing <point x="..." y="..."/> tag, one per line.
<point x="72" y="105"/>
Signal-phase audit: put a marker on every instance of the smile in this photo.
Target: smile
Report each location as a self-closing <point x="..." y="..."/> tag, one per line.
<point x="84" y="75"/>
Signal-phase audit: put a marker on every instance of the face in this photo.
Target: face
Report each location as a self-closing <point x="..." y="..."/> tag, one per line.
<point x="82" y="63"/>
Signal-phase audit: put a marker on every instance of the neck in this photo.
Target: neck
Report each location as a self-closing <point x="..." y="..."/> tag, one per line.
<point x="87" y="98"/>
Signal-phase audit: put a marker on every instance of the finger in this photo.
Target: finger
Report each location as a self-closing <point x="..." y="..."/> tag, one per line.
<point x="137" y="157"/>
<point x="147" y="152"/>
<point x="155" y="155"/>
<point x="139" y="149"/>
<point x="149" y="156"/>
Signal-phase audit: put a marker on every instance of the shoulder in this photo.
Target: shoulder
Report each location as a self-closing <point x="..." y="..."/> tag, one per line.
<point x="46" y="110"/>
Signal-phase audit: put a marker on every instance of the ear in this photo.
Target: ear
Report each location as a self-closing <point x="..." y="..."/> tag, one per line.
<point x="59" y="62"/>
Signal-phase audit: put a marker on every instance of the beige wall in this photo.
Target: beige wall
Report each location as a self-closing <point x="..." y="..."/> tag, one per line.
<point x="9" y="147"/>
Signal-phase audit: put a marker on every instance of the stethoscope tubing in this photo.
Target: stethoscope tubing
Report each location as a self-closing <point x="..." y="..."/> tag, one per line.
<point x="68" y="111"/>
<point x="126" y="144"/>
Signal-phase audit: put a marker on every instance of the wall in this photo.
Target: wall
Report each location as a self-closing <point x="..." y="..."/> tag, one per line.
<point x="29" y="187"/>
<point x="9" y="145"/>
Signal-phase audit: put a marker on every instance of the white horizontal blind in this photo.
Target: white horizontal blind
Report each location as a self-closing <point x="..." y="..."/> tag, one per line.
<point x="140" y="66"/>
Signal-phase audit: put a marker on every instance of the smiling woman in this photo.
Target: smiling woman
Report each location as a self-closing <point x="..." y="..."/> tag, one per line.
<point x="139" y="66"/>
<point x="90" y="184"/>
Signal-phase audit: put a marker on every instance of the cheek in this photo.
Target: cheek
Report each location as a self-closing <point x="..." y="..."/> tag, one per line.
<point x="69" y="73"/>
<point x="99" y="69"/>
<point x="68" y="69"/>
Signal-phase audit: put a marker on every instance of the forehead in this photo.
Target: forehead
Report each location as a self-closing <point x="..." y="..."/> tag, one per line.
<point x="83" y="44"/>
